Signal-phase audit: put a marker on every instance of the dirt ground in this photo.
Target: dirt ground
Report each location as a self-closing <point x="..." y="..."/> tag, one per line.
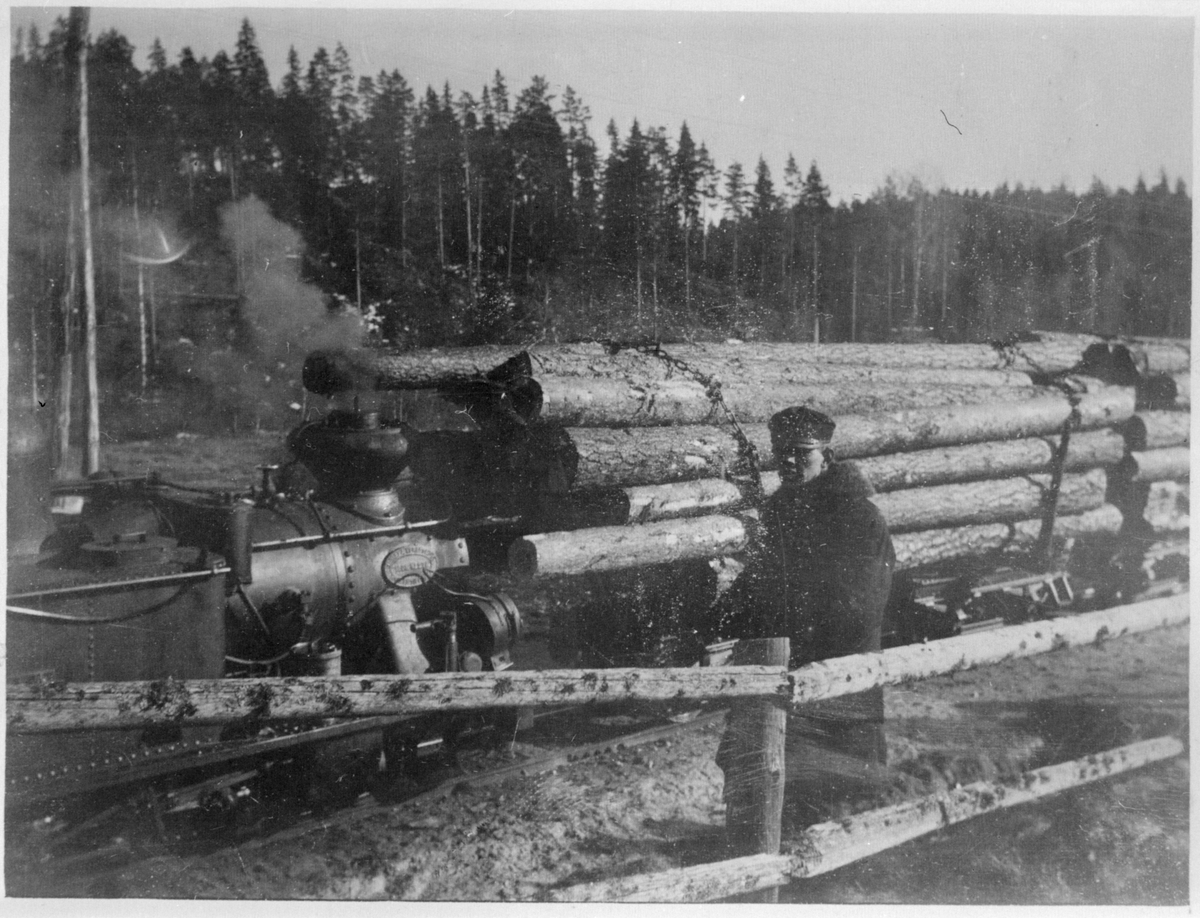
<point x="1121" y="841"/>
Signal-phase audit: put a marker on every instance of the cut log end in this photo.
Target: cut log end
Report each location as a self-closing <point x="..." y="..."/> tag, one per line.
<point x="330" y="372"/>
<point x="523" y="559"/>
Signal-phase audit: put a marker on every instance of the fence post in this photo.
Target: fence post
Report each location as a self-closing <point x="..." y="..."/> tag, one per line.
<point x="751" y="756"/>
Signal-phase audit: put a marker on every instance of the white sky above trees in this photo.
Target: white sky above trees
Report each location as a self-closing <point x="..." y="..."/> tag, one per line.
<point x="960" y="100"/>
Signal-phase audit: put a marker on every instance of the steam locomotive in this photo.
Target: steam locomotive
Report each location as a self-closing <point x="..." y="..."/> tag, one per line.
<point x="145" y="580"/>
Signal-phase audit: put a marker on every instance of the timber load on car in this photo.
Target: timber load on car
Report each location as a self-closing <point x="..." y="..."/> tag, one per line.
<point x="593" y="495"/>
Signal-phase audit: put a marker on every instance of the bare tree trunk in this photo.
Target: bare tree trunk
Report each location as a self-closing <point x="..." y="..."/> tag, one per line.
<point x="512" y="229"/>
<point x="918" y="254"/>
<point x="815" y="270"/>
<point x="654" y="290"/>
<point x="888" y="335"/>
<point x="854" y="299"/>
<point x="945" y="273"/>
<point x="33" y="357"/>
<point x="92" y="454"/>
<point x="440" y="225"/>
<point x="153" y="308"/>
<point x="737" y="286"/>
<point x="639" y="286"/>
<point x="470" y="235"/>
<point x="141" y="282"/>
<point x="479" y="236"/>
<point x="687" y="268"/>
<point x="66" y="367"/>
<point x="357" y="264"/>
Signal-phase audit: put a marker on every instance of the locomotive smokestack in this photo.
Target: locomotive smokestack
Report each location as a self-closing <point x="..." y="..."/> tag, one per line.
<point x="353" y="457"/>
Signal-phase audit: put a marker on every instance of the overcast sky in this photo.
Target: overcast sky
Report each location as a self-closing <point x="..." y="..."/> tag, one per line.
<point x="964" y="100"/>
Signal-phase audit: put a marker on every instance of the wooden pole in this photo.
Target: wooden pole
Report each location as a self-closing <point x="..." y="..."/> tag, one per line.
<point x="829" y="845"/>
<point x="91" y="461"/>
<point x="42" y="707"/>
<point x="751" y="756"/>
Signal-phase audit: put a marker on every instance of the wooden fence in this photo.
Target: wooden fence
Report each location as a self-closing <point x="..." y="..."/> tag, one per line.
<point x="55" y="707"/>
<point x="829" y="845"/>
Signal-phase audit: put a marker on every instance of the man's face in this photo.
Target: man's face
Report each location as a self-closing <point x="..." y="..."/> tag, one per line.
<point x="801" y="465"/>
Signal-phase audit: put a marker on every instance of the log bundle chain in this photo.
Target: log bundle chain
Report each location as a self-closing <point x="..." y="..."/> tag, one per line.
<point x="613" y="456"/>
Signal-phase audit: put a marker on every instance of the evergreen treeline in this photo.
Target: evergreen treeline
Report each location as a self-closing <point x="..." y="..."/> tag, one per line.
<point x="453" y="218"/>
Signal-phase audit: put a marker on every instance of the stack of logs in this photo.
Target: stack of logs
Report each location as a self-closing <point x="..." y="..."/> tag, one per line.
<point x="605" y="457"/>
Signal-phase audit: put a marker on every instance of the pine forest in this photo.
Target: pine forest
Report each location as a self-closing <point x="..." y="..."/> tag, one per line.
<point x="237" y="221"/>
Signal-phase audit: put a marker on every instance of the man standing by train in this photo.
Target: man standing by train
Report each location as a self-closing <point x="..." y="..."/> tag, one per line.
<point x="819" y="573"/>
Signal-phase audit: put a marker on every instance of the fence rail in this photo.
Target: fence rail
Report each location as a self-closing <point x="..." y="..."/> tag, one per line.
<point x="829" y="845"/>
<point x="50" y="707"/>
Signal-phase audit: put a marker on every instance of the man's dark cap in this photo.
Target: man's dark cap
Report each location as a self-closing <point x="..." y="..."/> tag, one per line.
<point x="800" y="427"/>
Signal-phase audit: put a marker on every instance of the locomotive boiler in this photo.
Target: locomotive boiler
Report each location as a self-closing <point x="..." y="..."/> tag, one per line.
<point x="344" y="568"/>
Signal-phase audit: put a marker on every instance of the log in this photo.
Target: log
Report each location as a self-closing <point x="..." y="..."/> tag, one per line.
<point x="1172" y="463"/>
<point x="327" y="372"/>
<point x="752" y="375"/>
<point x="830" y="845"/>
<point x="1165" y="392"/>
<point x="1125" y="361"/>
<point x="609" y="548"/>
<point x="42" y="706"/>
<point x="681" y="499"/>
<point x="1167" y="507"/>
<point x="985" y="502"/>
<point x="754" y="766"/>
<point x="929" y="546"/>
<point x="612" y="458"/>
<point x="902" y="431"/>
<point x="990" y="459"/>
<point x="922" y="468"/>
<point x="1149" y="430"/>
<point x="1183" y="389"/>
<point x="644" y="456"/>
<point x="600" y="402"/>
<point x="1038" y="357"/>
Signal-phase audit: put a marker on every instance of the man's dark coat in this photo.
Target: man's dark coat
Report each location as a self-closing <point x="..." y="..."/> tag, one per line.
<point x="819" y="573"/>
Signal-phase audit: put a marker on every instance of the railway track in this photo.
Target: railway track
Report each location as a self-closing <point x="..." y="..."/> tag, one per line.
<point x="183" y="820"/>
